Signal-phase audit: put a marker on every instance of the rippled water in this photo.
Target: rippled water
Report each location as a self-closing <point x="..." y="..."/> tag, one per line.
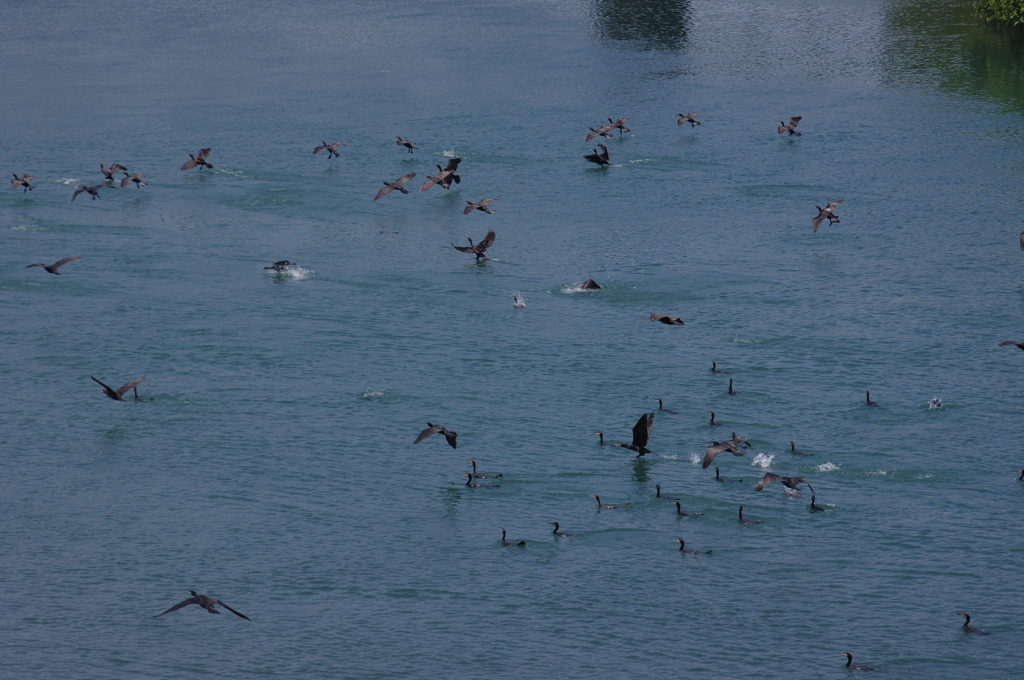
<point x="274" y="467"/>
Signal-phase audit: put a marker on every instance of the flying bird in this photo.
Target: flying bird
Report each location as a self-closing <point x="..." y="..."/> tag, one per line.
<point x="445" y="176"/>
<point x="137" y="178"/>
<point x="687" y="118"/>
<point x="331" y="149"/>
<point x="407" y="143"/>
<point x="828" y="212"/>
<point x="603" y="131"/>
<point x="619" y="123"/>
<point x="788" y="482"/>
<point x="733" y="446"/>
<point x="641" y="433"/>
<point x="397" y="184"/>
<point x="93" y="191"/>
<point x="23" y="181"/>
<point x="434" y="429"/>
<point x="199" y="160"/>
<point x="280" y="265"/>
<point x="790" y="127"/>
<point x="118" y="395"/>
<point x="667" y="320"/>
<point x="479" y="248"/>
<point x="206" y="603"/>
<point x="1007" y="343"/>
<point x="108" y="173"/>
<point x="479" y="205"/>
<point x="52" y="268"/>
<point x="599" y="158"/>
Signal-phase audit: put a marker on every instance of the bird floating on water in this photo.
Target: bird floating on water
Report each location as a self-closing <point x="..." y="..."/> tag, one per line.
<point x="469" y="483"/>
<point x="747" y="521"/>
<point x="480" y="205"/>
<point x="479" y="476"/>
<point x="867" y="400"/>
<point x="667" y="320"/>
<point x="657" y="488"/>
<point x="732" y="392"/>
<point x="22" y="181"/>
<point x="510" y="543"/>
<point x="663" y="409"/>
<point x="93" y="191"/>
<point x="679" y="510"/>
<point x="724" y="479"/>
<point x="559" y="534"/>
<point x="1007" y="343"/>
<point x="52" y="268"/>
<point x="407" y="143"/>
<point x="815" y="507"/>
<point x="445" y="176"/>
<point x="118" y="394"/>
<point x="608" y="507"/>
<point x="714" y="369"/>
<point x="281" y="266"/>
<point x="397" y="184"/>
<point x="788" y="482"/>
<point x="206" y="603"/>
<point x="969" y="630"/>
<point x="331" y="149"/>
<point x="790" y="127"/>
<point x="199" y="159"/>
<point x="108" y="173"/>
<point x="479" y="248"/>
<point x="137" y="178"/>
<point x="641" y="433"/>
<point x="691" y="552"/>
<point x="849" y="660"/>
<point x="687" y="118"/>
<point x="599" y="158"/>
<point x="828" y="212"/>
<point x="590" y="284"/>
<point x="713" y="423"/>
<point x="434" y="429"/>
<point x="795" y="451"/>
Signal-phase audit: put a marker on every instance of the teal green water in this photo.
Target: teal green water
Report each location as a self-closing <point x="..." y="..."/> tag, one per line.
<point x="275" y="469"/>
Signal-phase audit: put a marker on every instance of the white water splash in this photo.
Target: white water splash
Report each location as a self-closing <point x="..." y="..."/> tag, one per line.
<point x="827" y="467"/>
<point x="762" y="461"/>
<point x="69" y="181"/>
<point x="935" y="403"/>
<point x="294" y="273"/>
<point x="574" y="288"/>
<point x="878" y="473"/>
<point x="644" y="160"/>
<point x="449" y="154"/>
<point x="518" y="301"/>
<point x="371" y="395"/>
<point x="695" y="458"/>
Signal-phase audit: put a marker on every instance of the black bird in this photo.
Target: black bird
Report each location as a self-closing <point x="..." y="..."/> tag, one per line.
<point x="795" y="452"/>
<point x="477" y="476"/>
<point x="713" y="423"/>
<point x="331" y="149"/>
<point x="691" y="552"/>
<point x="560" y="534"/>
<point x="788" y="482"/>
<point x="52" y="268"/>
<point x="22" y="181"/>
<point x="480" y="205"/>
<point x="657" y="487"/>
<point x="732" y="446"/>
<point x="667" y="320"/>
<point x="108" y="173"/>
<point x="601" y="441"/>
<point x="590" y="284"/>
<point x="137" y="178"/>
<point x="508" y="543"/>
<point x="206" y="603"/>
<point x="397" y="184"/>
<point x="867" y="400"/>
<point x="747" y="521"/>
<point x="479" y="248"/>
<point x="723" y="479"/>
<point x="666" y="410"/>
<point x="92" y="191"/>
<point x="969" y="630"/>
<point x="828" y="212"/>
<point x="280" y="265"/>
<point x="469" y="483"/>
<point x="679" y="510"/>
<point x="445" y="176"/>
<point x="618" y="124"/>
<point x="1007" y="343"/>
<point x="603" y="131"/>
<point x="641" y="433"/>
<point x="608" y="507"/>
<point x="687" y="118"/>
<point x="714" y="369"/>
<point x="118" y="395"/>
<point x="199" y="160"/>
<point x="434" y="429"/>
<point x="849" y="660"/>
<point x="791" y="126"/>
<point x="814" y="506"/>
<point x="1021" y="478"/>
<point x="407" y="143"/>
<point x="732" y="392"/>
<point x="599" y="158"/>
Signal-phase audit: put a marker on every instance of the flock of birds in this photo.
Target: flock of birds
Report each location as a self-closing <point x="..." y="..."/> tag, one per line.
<point x="641" y="432"/>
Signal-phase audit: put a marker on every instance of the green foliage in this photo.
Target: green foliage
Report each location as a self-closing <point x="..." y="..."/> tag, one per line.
<point x="1009" y="12"/>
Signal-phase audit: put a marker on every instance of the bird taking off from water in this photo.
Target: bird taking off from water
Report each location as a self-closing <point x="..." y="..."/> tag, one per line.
<point x="207" y="603"/>
<point x="788" y="482"/>
<point x="603" y="131"/>
<point x="790" y="127"/>
<point x="407" y="143"/>
<point x="24" y="180"/>
<point x="828" y="212"/>
<point x="667" y="320"/>
<point x="590" y="284"/>
<point x="599" y="158"/>
<point x="687" y="118"/>
<point x="281" y="266"/>
<point x="445" y="176"/>
<point x="641" y="433"/>
<point x="137" y="178"/>
<point x="52" y="268"/>
<point x="108" y="173"/>
<point x="434" y="429"/>
<point x="199" y="159"/>
<point x="619" y="124"/>
<point x="479" y="248"/>
<point x="331" y="149"/>
<point x="397" y="184"/>
<point x="479" y="205"/>
<point x="93" y="191"/>
<point x="118" y="395"/>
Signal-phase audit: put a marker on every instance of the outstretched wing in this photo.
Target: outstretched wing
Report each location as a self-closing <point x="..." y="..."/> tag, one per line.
<point x="320" y="148"/>
<point x="183" y="603"/>
<point x="128" y="386"/>
<point x="819" y="219"/>
<point x="189" y="164"/>
<point x="61" y="263"/>
<point x="203" y="153"/>
<point x="113" y="395"/>
<point x="453" y="164"/>
<point x="1018" y="345"/>
<point x="768" y="479"/>
<point x="488" y="240"/>
<point x="469" y="208"/>
<point x="794" y="121"/>
<point x="642" y="429"/>
<point x="431" y="181"/>
<point x="77" y="191"/>
<point x="831" y="205"/>
<point x="712" y="451"/>
<point x="432" y="430"/>
<point x="384" y="192"/>
<point x="232" y="610"/>
<point x="464" y="249"/>
<point x="404" y="178"/>
<point x="450" y="436"/>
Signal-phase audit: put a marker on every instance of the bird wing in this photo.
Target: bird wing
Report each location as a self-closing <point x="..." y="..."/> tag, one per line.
<point x="1005" y="343"/>
<point x="113" y="395"/>
<point x="453" y="164"/>
<point x="712" y="451"/>
<point x="183" y="603"/>
<point x="61" y="263"/>
<point x="432" y="430"/>
<point x="203" y="153"/>
<point x="232" y="610"/>
<point x="319" y="149"/>
<point x="818" y="220"/>
<point x="77" y="191"/>
<point x="128" y="386"/>
<point x="431" y="181"/>
<point x="680" y="120"/>
<point x="794" y="121"/>
<point x="404" y="178"/>
<point x="464" y="249"/>
<point x="468" y="209"/>
<point x="642" y="429"/>
<point x="384" y="192"/>
<point x="117" y="166"/>
<point x="126" y="181"/>
<point x="487" y="242"/>
<point x="831" y="205"/>
<point x="450" y="437"/>
<point x="768" y="479"/>
<point x="189" y="164"/>
<point x="1022" y="240"/>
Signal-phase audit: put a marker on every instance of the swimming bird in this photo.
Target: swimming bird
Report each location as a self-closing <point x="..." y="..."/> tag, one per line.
<point x="691" y="552"/>
<point x="518" y="302"/>
<point x="662" y="408"/>
<point x="137" y="178"/>
<point x="667" y="320"/>
<point x="687" y="118"/>
<point x="603" y="131"/>
<point x="1007" y="343"/>
<point x="599" y="158"/>
<point x="407" y="143"/>
<point x="794" y="451"/>
<point x="445" y="176"/>
<point x="747" y="521"/>
<point x="608" y="507"/>
<point x="815" y="507"/>
<point x="280" y="265"/>
<point x="714" y="369"/>
<point x="657" y="487"/>
<point x="508" y="543"/>
<point x="397" y="184"/>
<point x="22" y="181"/>
<point x="559" y="534"/>
<point x="849" y="660"/>
<point x="469" y="483"/>
<point x="118" y="395"/>
<point x="92" y="191"/>
<point x="331" y="149"/>
<point x="828" y="212"/>
<point x="969" y="630"/>
<point x="601" y="441"/>
<point x="790" y="127"/>
<point x="206" y="603"/>
<point x="935" y="403"/>
<point x="199" y="159"/>
<point x="867" y="400"/>
<point x="732" y="392"/>
<point x="590" y="284"/>
<point x="479" y="248"/>
<point x="477" y="476"/>
<point x="52" y="268"/>
<point x="679" y="510"/>
<point x="434" y="429"/>
<point x="641" y="433"/>
<point x="480" y="205"/>
<point x="1022" y="240"/>
<point x="713" y="423"/>
<point x="108" y="173"/>
<point x="717" y="448"/>
<point x="788" y="482"/>
<point x="618" y="123"/>
<point x="724" y="479"/>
